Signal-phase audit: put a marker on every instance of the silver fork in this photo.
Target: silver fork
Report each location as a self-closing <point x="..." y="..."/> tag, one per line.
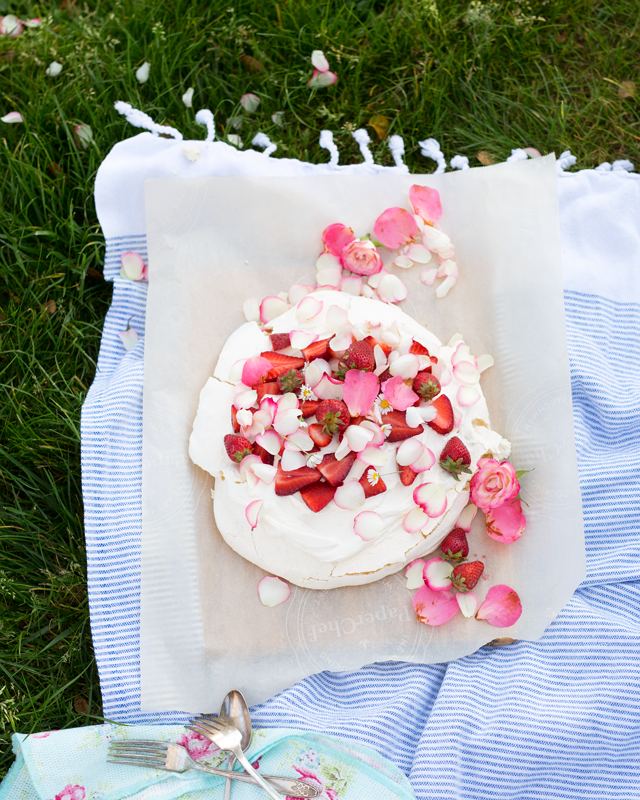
<point x="175" y="758"/>
<point x="229" y="738"/>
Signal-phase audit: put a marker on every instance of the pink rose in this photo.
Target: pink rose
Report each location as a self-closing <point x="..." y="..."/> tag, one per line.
<point x="493" y="484"/>
<point x="506" y="523"/>
<point x="71" y="793"/>
<point x="197" y="745"/>
<point x="361" y="257"/>
<point x="312" y="778"/>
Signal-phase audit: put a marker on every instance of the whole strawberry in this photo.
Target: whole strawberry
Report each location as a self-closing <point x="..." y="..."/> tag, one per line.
<point x="465" y="576"/>
<point x="237" y="447"/>
<point x="290" y="382"/>
<point x="333" y="415"/>
<point x="455" y="457"/>
<point x="359" y="355"/>
<point x="455" y="545"/>
<point x="426" y="386"/>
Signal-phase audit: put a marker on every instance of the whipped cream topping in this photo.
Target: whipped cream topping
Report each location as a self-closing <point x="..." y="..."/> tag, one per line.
<point x="328" y="536"/>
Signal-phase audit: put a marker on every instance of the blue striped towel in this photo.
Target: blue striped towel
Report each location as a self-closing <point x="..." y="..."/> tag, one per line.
<point x="557" y="718"/>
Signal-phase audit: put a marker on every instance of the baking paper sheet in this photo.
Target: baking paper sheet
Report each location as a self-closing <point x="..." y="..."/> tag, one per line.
<point x="213" y="242"/>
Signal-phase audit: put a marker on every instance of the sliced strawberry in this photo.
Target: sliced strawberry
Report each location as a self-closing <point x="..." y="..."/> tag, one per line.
<point x="434" y="360"/>
<point x="309" y="407"/>
<point x="318" y="495"/>
<point x="443" y="423"/>
<point x="273" y="387"/>
<point x="291" y="482"/>
<point x="373" y="342"/>
<point x="371" y="490"/>
<point x="386" y="376"/>
<point x="407" y="475"/>
<point x="319" y="435"/>
<point x="234" y="420"/>
<point x="399" y="428"/>
<point x="418" y="349"/>
<point x="281" y="364"/>
<point x="316" y="350"/>
<point x="265" y="455"/>
<point x="279" y="341"/>
<point x="336" y="471"/>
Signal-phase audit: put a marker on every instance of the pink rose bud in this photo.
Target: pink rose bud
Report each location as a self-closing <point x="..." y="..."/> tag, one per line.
<point x="361" y="257"/>
<point x="493" y="484"/>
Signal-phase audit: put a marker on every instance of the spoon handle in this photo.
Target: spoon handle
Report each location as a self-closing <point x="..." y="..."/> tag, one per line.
<point x="237" y="752"/>
<point x="227" y="783"/>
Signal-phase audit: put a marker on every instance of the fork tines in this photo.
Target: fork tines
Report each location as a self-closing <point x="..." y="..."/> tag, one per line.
<point x="138" y="753"/>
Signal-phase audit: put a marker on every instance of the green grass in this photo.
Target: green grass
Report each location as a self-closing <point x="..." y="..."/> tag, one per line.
<point x="478" y="77"/>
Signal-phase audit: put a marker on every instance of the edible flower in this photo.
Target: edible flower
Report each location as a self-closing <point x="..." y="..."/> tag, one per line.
<point x="322" y="76"/>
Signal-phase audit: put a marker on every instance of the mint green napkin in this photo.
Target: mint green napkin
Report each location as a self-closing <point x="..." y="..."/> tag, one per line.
<point x="72" y="765"/>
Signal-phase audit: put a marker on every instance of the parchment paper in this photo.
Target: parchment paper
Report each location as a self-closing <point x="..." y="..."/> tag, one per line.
<point x="215" y="241"/>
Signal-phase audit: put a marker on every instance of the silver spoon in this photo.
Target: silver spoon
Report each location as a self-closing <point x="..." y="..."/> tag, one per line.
<point x="236" y="711"/>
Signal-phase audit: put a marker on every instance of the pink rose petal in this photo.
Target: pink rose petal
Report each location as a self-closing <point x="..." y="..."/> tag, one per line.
<point x="358" y="437"/>
<point x="419" y="253"/>
<point x="349" y="496"/>
<point x="337" y="319"/>
<point x="288" y="400"/>
<point x="431" y="497"/>
<point x="252" y="512"/>
<point x="404" y="262"/>
<point x="245" y="398"/>
<point x="271" y="441"/>
<point x="425" y="461"/>
<point x="368" y="525"/>
<point x="395" y="227"/>
<point x="320" y="80"/>
<point x="299" y="290"/>
<point x="466" y="373"/>
<point x="428" y="276"/>
<point x="302" y="339"/>
<point x="246" y="468"/>
<point x="409" y="451"/>
<point x="398" y="393"/>
<point x="392" y="290"/>
<point x="507" y="522"/>
<point x="250" y="102"/>
<point x="351" y="284"/>
<point x="462" y="354"/>
<point x="466" y="518"/>
<point x="129" y="338"/>
<point x="501" y="607"/>
<point x="436" y="574"/>
<point x="273" y="591"/>
<point x="329" y="278"/>
<point x="468" y="602"/>
<point x="12" y="117"/>
<point x="287" y="421"/>
<point x="272" y="307"/>
<point x="415" y="520"/>
<point x="468" y="395"/>
<point x="426" y="202"/>
<point x="251" y="309"/>
<point x="254" y="369"/>
<point x="407" y="366"/>
<point x="532" y="152"/>
<point x="328" y="261"/>
<point x="341" y="341"/>
<point x="484" y="362"/>
<point x="308" y="308"/>
<point x="360" y="390"/>
<point x="414" y="574"/>
<point x="336" y="237"/>
<point x="434" y="608"/>
<point x="378" y="435"/>
<point x="373" y="456"/>
<point x="328" y="388"/>
<point x="319" y="61"/>
<point x="314" y="372"/>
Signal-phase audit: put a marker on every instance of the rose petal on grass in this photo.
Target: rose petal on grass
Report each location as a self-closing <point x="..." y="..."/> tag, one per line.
<point x="12" y="118"/>
<point x="501" y="607"/>
<point x="187" y="97"/>
<point x="368" y="525"/>
<point x="414" y="574"/>
<point x="360" y="390"/>
<point x="507" y="522"/>
<point x="142" y="73"/>
<point x="425" y="202"/>
<point x="436" y="574"/>
<point x="252" y="513"/>
<point x="434" y="608"/>
<point x="250" y="102"/>
<point x="349" y="496"/>
<point x="272" y="307"/>
<point x="431" y="498"/>
<point x="273" y="591"/>
<point x="398" y="393"/>
<point x="320" y="80"/>
<point x="54" y="68"/>
<point x="319" y="61"/>
<point x="468" y="602"/>
<point x="395" y="227"/>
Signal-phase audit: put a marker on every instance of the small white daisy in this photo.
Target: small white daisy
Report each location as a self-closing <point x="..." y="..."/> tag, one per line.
<point x="313" y="459"/>
<point x="386" y="429"/>
<point x="383" y="404"/>
<point x="373" y="476"/>
<point x="306" y="393"/>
